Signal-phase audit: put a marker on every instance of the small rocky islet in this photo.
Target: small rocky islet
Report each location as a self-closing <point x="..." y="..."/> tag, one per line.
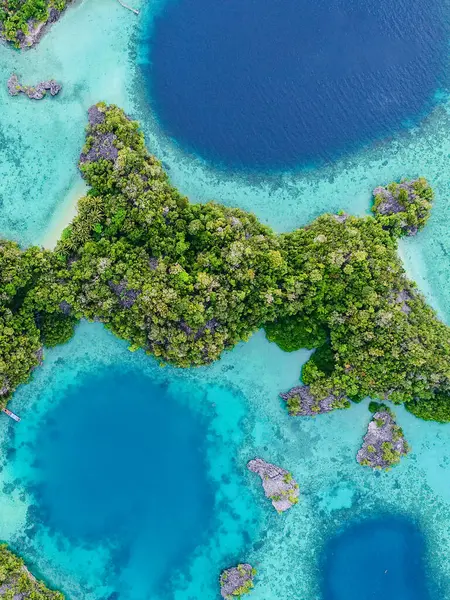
<point x="34" y="92"/>
<point x="236" y="581"/>
<point x="278" y="484"/>
<point x="384" y="443"/>
<point x="302" y="403"/>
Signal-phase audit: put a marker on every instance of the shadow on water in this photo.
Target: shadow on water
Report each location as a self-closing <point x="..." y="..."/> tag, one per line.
<point x="373" y="559"/>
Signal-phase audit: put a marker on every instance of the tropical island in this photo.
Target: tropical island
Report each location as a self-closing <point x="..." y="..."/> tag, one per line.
<point x="184" y="282"/>
<point x="22" y="22"/>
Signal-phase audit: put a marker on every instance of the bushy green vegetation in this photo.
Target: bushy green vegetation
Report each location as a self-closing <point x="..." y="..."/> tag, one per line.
<point x="17" y="582"/>
<point x="184" y="282"/>
<point x="436" y="408"/>
<point x="403" y="207"/>
<point x="15" y="16"/>
<point x="321" y="364"/>
<point x="292" y="333"/>
<point x="29" y="318"/>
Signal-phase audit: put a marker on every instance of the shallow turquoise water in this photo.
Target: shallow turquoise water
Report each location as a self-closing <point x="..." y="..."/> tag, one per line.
<point x="97" y="50"/>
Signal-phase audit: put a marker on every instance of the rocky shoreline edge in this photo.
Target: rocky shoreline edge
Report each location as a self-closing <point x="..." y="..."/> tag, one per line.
<point x="34" y="92"/>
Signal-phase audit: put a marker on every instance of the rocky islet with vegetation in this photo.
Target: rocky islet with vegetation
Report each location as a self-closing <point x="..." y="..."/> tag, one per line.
<point x="34" y="92"/>
<point x="236" y="581"/>
<point x="384" y="443"/>
<point x="278" y="484"/>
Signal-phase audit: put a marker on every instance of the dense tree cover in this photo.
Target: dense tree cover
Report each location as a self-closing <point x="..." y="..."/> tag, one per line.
<point x="25" y="324"/>
<point x="294" y="333"/>
<point x="17" y="582"/>
<point x="403" y="207"/>
<point x="16" y="15"/>
<point x="185" y="281"/>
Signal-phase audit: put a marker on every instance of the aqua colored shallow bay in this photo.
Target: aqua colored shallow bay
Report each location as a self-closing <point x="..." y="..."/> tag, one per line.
<point x="126" y="480"/>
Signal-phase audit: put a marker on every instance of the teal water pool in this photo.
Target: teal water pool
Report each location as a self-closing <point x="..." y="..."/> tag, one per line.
<point x="232" y="407"/>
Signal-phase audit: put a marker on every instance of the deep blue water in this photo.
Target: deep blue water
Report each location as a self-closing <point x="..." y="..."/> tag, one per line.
<point x="380" y="558"/>
<point x="276" y="84"/>
<point x="120" y="462"/>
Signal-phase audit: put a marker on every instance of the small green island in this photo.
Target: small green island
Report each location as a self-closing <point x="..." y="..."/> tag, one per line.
<point x="17" y="583"/>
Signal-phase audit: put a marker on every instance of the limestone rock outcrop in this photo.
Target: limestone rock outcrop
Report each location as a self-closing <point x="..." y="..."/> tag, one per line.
<point x="301" y="402"/>
<point x="278" y="484"/>
<point x="236" y="581"/>
<point x="36" y="92"/>
<point x="384" y="443"/>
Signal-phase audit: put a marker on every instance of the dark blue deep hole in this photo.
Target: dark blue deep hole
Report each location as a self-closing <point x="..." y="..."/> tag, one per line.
<point x="381" y="558"/>
<point x="120" y="462"/>
<point x="280" y="83"/>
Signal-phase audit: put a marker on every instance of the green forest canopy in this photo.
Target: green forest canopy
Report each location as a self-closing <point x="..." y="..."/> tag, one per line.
<point x="15" y="16"/>
<point x="18" y="583"/>
<point x="187" y="281"/>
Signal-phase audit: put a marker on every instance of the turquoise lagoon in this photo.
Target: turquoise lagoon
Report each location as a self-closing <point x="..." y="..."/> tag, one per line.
<point x="80" y="498"/>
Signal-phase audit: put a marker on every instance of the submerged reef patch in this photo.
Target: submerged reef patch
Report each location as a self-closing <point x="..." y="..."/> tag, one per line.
<point x="187" y="281"/>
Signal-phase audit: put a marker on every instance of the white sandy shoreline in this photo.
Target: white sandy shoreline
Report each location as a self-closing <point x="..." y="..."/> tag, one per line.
<point x="66" y="211"/>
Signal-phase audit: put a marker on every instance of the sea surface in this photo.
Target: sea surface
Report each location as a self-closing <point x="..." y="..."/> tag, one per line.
<point x="126" y="480"/>
<point x="270" y="84"/>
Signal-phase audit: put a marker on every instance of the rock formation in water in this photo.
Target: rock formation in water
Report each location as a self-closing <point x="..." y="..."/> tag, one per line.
<point x="404" y="203"/>
<point x="278" y="484"/>
<point x="236" y="581"/>
<point x="384" y="443"/>
<point x="301" y="403"/>
<point x="33" y="92"/>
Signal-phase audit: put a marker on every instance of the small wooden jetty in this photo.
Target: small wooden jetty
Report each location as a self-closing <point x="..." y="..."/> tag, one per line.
<point x="11" y="414"/>
<point x="136" y="12"/>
